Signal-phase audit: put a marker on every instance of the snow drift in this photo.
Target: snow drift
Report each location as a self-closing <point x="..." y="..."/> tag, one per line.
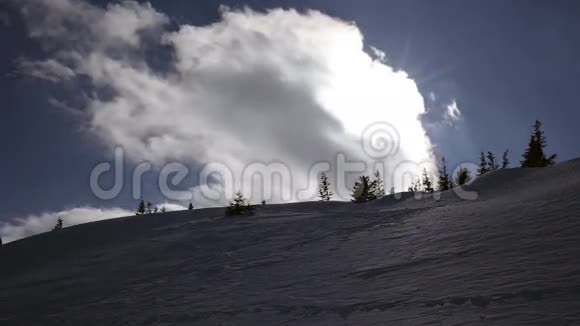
<point x="510" y="257"/>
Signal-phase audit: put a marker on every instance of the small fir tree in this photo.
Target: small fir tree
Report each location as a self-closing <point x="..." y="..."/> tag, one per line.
<point x="427" y="183"/>
<point x="505" y="160"/>
<point x="58" y="225"/>
<point x="140" y="208"/>
<point x="379" y="185"/>
<point x="482" y="165"/>
<point x="534" y="156"/>
<point x="491" y="164"/>
<point x="239" y="206"/>
<point x="363" y="190"/>
<point x="463" y="176"/>
<point x="415" y="185"/>
<point x="190" y="207"/>
<point x="323" y="188"/>
<point x="445" y="182"/>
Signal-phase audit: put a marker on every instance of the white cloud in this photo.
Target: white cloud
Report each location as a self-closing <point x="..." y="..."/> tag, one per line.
<point x="379" y="54"/>
<point x="452" y="113"/>
<point x="279" y="85"/>
<point x="432" y="97"/>
<point x="50" y="70"/>
<point x="122" y="22"/>
<point x="34" y="224"/>
<point x="171" y="207"/>
<point x="82" y="26"/>
<point x="64" y="107"/>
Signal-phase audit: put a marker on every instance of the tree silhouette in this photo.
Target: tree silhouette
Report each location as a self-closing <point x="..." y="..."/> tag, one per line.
<point x="190" y="207"/>
<point x="163" y="209"/>
<point x="463" y="176"/>
<point x="379" y="185"/>
<point x="239" y="206"/>
<point x="534" y="155"/>
<point x="491" y="164"/>
<point x="505" y="160"/>
<point x="149" y="207"/>
<point x="427" y="183"/>
<point x="415" y="186"/>
<point x="58" y="225"/>
<point x="140" y="208"/>
<point x="323" y="188"/>
<point x="363" y="190"/>
<point x="482" y="165"/>
<point x="445" y="182"/>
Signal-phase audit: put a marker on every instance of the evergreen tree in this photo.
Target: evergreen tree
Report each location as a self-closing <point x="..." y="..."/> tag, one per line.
<point x="239" y="206"/>
<point x="534" y="156"/>
<point x="140" y="208"/>
<point x="373" y="190"/>
<point x="392" y="191"/>
<point x="163" y="209"/>
<point x="531" y="154"/>
<point x="427" y="183"/>
<point x="263" y="203"/>
<point x="155" y="210"/>
<point x="463" y="176"/>
<point x="190" y="207"/>
<point x="482" y="165"/>
<point x="505" y="160"/>
<point x="323" y="188"/>
<point x="491" y="164"/>
<point x="415" y="186"/>
<point x="149" y="207"/>
<point x="360" y="190"/>
<point x="445" y="182"/>
<point x="58" y="225"/>
<point x="379" y="185"/>
<point x="363" y="190"/>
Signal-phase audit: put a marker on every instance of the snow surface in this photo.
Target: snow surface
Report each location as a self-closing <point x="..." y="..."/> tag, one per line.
<point x="512" y="257"/>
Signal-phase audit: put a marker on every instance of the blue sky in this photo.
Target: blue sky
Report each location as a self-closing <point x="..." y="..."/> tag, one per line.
<point x="503" y="63"/>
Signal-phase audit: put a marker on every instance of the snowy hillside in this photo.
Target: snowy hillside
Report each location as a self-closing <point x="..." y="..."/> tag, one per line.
<point x="512" y="257"/>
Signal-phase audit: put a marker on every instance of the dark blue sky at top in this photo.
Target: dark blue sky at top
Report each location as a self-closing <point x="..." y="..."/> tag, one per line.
<point x="506" y="62"/>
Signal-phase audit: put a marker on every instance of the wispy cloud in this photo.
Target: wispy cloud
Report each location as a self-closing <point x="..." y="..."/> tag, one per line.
<point x="452" y="113"/>
<point x="50" y="70"/>
<point x="64" y="107"/>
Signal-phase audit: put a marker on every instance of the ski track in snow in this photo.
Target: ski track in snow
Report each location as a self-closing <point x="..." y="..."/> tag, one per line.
<point x="512" y="257"/>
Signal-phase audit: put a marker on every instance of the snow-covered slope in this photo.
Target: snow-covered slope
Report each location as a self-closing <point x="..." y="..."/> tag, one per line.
<point x="512" y="257"/>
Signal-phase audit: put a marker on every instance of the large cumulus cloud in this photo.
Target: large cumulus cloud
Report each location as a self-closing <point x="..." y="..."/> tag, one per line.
<point x="275" y="86"/>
